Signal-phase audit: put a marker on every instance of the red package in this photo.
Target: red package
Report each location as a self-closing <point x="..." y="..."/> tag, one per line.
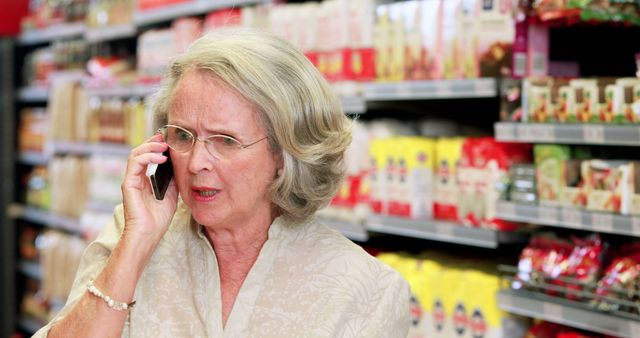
<point x="621" y="280"/>
<point x="482" y="173"/>
<point x="584" y="264"/>
<point x="544" y="330"/>
<point x="544" y="258"/>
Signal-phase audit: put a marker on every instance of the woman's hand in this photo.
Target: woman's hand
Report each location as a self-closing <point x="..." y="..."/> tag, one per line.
<point x="146" y="218"/>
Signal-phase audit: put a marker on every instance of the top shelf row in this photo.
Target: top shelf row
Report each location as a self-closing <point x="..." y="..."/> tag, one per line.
<point x="141" y="18"/>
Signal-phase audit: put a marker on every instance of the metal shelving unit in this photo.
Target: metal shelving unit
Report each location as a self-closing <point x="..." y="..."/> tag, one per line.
<point x="353" y="231"/>
<point x="572" y="218"/>
<point x="196" y="7"/>
<point x="33" y="94"/>
<point x="51" y="220"/>
<point x="595" y="134"/>
<point x="30" y="269"/>
<point x="82" y="148"/>
<point x="110" y="33"/>
<point x="443" y="231"/>
<point x="425" y="90"/>
<point x="566" y="312"/>
<point x="55" y="32"/>
<point x="33" y="158"/>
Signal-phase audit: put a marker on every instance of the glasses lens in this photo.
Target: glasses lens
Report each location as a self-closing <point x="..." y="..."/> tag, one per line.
<point x="178" y="138"/>
<point x="223" y="147"/>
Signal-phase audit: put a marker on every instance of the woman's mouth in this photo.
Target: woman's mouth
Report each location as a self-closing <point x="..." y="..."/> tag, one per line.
<point x="204" y="194"/>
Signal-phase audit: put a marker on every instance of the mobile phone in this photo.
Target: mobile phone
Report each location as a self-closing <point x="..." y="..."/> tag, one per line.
<point x="159" y="176"/>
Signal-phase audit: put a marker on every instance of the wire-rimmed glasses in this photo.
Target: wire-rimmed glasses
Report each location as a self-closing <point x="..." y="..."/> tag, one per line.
<point x="219" y="146"/>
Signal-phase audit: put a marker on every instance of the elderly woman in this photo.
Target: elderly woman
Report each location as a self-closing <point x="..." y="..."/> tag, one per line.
<point x="256" y="138"/>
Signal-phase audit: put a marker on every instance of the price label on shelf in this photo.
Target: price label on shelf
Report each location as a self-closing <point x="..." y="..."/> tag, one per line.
<point x="524" y="132"/>
<point x="593" y="134"/>
<point x="548" y="215"/>
<point x="602" y="222"/>
<point x="552" y="311"/>
<point x="634" y="328"/>
<point x="505" y="209"/>
<point x="635" y="225"/>
<point x="445" y="230"/>
<point x="505" y="132"/>
<point x="403" y="90"/>
<point x="443" y="89"/>
<point x="572" y="217"/>
<point x="542" y="133"/>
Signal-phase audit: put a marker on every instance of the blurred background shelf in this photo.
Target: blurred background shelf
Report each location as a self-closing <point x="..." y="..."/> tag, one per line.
<point x="442" y="231"/>
<point x="30" y="269"/>
<point x="33" y="94"/>
<point x="110" y="33"/>
<point x="595" y="134"/>
<point x="565" y="312"/>
<point x="33" y="158"/>
<point x="43" y="217"/>
<point x="437" y="89"/>
<point x="352" y="230"/>
<point x="58" y="31"/>
<point x="196" y="7"/>
<point x="572" y="218"/>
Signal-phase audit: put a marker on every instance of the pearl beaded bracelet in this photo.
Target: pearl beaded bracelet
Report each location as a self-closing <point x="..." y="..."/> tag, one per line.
<point x="110" y="302"/>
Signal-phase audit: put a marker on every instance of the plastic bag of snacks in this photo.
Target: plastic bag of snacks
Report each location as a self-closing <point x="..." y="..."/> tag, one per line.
<point x="621" y="280"/>
<point x="541" y="259"/>
<point x="584" y="265"/>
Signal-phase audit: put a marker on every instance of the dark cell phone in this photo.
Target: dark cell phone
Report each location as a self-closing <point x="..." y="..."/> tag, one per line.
<point x="160" y="175"/>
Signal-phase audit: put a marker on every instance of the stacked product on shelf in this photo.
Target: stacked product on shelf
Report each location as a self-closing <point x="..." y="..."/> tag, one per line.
<point x="108" y="13"/>
<point x="542" y="329"/>
<point x="58" y="256"/>
<point x="453" y="297"/>
<point x="581" y="100"/>
<point x="415" y="177"/>
<point x="570" y="177"/>
<point x="587" y="10"/>
<point x="582" y="270"/>
<point x="43" y="14"/>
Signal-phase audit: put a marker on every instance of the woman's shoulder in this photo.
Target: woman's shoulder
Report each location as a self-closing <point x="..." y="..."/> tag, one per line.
<point x="330" y="250"/>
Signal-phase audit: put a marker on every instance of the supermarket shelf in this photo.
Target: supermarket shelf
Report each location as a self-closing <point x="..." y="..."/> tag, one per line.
<point x="442" y="231"/>
<point x="59" y="31"/>
<point x="110" y="33"/>
<point x="351" y="230"/>
<point x="81" y="148"/>
<point x="353" y="104"/>
<point x="101" y="207"/>
<point x="33" y="158"/>
<point x="29" y="324"/>
<point x="440" y="89"/>
<point x="33" y="94"/>
<point x="138" y="90"/>
<point x="30" y="269"/>
<point x="566" y="217"/>
<point x="566" y="312"/>
<point x="196" y="7"/>
<point x="623" y="135"/>
<point x="47" y="218"/>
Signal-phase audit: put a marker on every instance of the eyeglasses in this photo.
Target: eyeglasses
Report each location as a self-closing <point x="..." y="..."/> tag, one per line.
<point x="219" y="146"/>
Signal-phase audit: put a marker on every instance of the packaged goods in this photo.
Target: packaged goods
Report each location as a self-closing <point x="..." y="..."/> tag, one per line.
<point x="32" y="129"/>
<point x="415" y="165"/>
<point x="603" y="184"/>
<point x="620" y="281"/>
<point x="497" y="32"/>
<point x="482" y="178"/>
<point x="522" y="184"/>
<point x="550" y="161"/>
<point x="448" y="153"/>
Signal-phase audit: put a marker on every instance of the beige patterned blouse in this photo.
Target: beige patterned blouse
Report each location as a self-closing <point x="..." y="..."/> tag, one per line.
<point x="308" y="281"/>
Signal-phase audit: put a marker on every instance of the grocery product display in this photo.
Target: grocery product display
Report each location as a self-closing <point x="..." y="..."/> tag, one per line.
<point x="91" y="67"/>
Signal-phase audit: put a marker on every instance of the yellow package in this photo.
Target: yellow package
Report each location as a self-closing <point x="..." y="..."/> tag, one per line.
<point x="448" y="154"/>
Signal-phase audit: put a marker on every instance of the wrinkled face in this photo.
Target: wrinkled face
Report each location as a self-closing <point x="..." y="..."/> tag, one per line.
<point x="222" y="193"/>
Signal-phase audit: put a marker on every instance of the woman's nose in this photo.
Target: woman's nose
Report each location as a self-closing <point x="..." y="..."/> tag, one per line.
<point x="200" y="158"/>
